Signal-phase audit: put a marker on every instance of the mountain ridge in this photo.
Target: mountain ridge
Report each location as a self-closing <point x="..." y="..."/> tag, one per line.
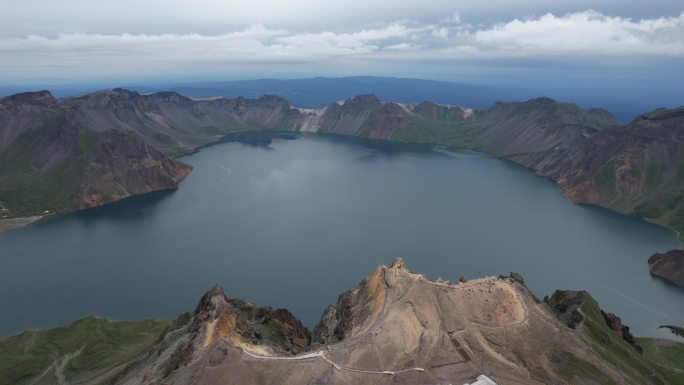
<point x="428" y="331"/>
<point x="559" y="141"/>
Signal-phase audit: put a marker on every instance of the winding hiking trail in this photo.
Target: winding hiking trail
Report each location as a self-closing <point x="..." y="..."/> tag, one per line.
<point x="389" y="301"/>
<point x="58" y="367"/>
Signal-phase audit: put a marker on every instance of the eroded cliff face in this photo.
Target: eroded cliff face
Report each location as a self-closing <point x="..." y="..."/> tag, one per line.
<point x="575" y="307"/>
<point x="635" y="169"/>
<point x="50" y="161"/>
<point x="176" y="124"/>
<point x="668" y="266"/>
<point x="121" y="164"/>
<point x="398" y="327"/>
<point x="215" y="330"/>
<point x="96" y="148"/>
<point x="527" y="131"/>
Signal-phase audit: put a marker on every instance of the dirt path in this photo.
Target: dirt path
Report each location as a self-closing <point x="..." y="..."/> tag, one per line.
<point x="59" y="367"/>
<point x="30" y="342"/>
<point x="321" y="355"/>
<point x="40" y="377"/>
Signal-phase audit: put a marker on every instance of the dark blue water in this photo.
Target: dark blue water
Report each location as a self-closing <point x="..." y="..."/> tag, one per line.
<point x="295" y="223"/>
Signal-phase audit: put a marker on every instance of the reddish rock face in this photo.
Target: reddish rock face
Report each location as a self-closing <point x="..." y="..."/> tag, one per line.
<point x="123" y="165"/>
<point x="117" y="141"/>
<point x="615" y="323"/>
<point x="635" y="169"/>
<point x="43" y="136"/>
<point x="669" y="266"/>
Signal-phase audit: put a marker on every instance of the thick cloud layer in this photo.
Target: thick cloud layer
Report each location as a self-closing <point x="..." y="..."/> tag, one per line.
<point x="102" y="39"/>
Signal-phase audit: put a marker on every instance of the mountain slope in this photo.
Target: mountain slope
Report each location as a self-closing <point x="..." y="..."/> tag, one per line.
<point x="91" y="350"/>
<point x="524" y="131"/>
<point x="635" y="169"/>
<point x="394" y="327"/>
<point x="176" y="124"/>
<point x="52" y="162"/>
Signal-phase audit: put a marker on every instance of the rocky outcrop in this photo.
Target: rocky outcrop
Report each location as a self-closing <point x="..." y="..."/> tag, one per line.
<point x="356" y="309"/>
<point x="260" y="328"/>
<point x="566" y="304"/>
<point x="424" y="332"/>
<point x="615" y="324"/>
<point x="395" y="327"/>
<point x="573" y="307"/>
<point x="676" y="330"/>
<point x="217" y="322"/>
<point x="398" y="327"/>
<point x="668" y="266"/>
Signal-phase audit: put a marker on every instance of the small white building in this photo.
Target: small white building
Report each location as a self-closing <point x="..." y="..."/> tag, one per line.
<point x="483" y="380"/>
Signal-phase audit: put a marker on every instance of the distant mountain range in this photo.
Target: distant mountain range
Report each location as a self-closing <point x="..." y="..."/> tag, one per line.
<point x="621" y="100"/>
<point x="82" y="151"/>
<point x="59" y="155"/>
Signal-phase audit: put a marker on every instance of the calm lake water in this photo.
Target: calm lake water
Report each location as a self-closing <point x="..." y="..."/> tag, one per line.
<point x="294" y="223"/>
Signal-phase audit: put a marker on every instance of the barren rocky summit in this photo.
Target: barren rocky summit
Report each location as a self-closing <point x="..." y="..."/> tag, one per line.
<point x="396" y="327"/>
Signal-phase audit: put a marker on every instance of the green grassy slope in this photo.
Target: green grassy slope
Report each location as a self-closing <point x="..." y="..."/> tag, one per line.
<point x="666" y="355"/>
<point x="103" y="348"/>
<point x="452" y="131"/>
<point x="24" y="190"/>
<point x="612" y="348"/>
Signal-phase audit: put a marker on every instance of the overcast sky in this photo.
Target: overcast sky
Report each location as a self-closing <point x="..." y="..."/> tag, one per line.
<point x="131" y="40"/>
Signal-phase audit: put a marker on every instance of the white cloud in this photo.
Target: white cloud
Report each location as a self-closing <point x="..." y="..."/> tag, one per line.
<point x="402" y="47"/>
<point x="587" y="33"/>
<point x="440" y="32"/>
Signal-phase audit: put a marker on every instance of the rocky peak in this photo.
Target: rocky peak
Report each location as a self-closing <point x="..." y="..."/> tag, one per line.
<point x="542" y="100"/>
<point x="121" y="93"/>
<point x="168" y="97"/>
<point x="363" y="102"/>
<point x="245" y="324"/>
<point x="398" y="264"/>
<point x="425" y="332"/>
<point x="37" y="98"/>
<point x="358" y="308"/>
<point x="663" y="114"/>
<point x="209" y="300"/>
<point x="104" y="99"/>
<point x="573" y="307"/>
<point x="273" y="101"/>
<point x="615" y="324"/>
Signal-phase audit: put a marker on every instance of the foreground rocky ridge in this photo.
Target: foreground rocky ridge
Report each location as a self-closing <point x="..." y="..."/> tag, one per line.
<point x="395" y="327"/>
<point x="102" y="146"/>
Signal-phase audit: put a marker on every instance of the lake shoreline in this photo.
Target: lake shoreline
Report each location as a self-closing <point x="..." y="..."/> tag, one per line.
<point x="15" y="223"/>
<point x="227" y="139"/>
